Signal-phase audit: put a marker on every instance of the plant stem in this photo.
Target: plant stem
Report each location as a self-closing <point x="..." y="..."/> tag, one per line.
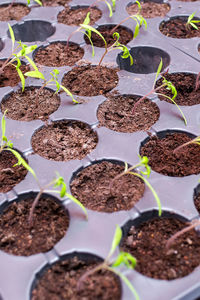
<point x="172" y="239"/>
<point x="124" y="20"/>
<point x="88" y="273"/>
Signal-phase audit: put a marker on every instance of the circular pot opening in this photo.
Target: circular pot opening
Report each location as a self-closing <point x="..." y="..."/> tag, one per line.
<point x="150" y="9"/>
<point x="32" y="31"/>
<point x="64" y="140"/>
<point x="76" y="15"/>
<point x="166" y="158"/>
<point x="31" y="104"/>
<point x="126" y="35"/>
<point x="116" y="113"/>
<point x="94" y="187"/>
<point x="146" y="239"/>
<point x="60" y="280"/>
<point x="50" y="223"/>
<point x="176" y="27"/>
<point x="146" y="60"/>
<point x="58" y="54"/>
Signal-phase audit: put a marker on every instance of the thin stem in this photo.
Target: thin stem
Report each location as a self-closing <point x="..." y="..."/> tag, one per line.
<point x="88" y="273"/>
<point x="106" y="51"/>
<point x="183" y="145"/>
<point x="172" y="239"/>
<point x="71" y="34"/>
<point x="8" y="61"/>
<point x="124" y="20"/>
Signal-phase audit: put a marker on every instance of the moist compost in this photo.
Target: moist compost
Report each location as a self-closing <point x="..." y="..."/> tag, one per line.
<point x="9" y="75"/>
<point x="176" y="28"/>
<point x="90" y="80"/>
<point x="116" y="114"/>
<point x="64" y="140"/>
<point x="55" y="2"/>
<point x="50" y="223"/>
<point x="57" y="54"/>
<point x="60" y="282"/>
<point x="185" y="84"/>
<point x="94" y="188"/>
<point x="149" y="9"/>
<point x="162" y="158"/>
<point x="32" y="104"/>
<point x="13" y="12"/>
<point x="10" y="175"/>
<point x="76" y="16"/>
<point x="126" y="36"/>
<point x="147" y="242"/>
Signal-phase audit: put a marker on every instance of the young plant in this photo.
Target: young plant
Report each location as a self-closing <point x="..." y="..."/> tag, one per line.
<point x="129" y="170"/>
<point x="58" y="182"/>
<point x="110" y="7"/>
<point x="123" y="258"/>
<point x="196" y="141"/>
<point x="15" y="57"/>
<point x="191" y="22"/>
<point x="115" y="46"/>
<point x="138" y="18"/>
<point x="165" y="84"/>
<point x="53" y="81"/>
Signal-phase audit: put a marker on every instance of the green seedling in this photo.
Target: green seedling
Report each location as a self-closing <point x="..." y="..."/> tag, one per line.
<point x="141" y="173"/>
<point x="57" y="183"/>
<point x="172" y="239"/>
<point x="53" y="81"/>
<point x="138" y="18"/>
<point x="115" y="46"/>
<point x="111" y="7"/>
<point x="123" y="258"/>
<point x="191" y="22"/>
<point x="193" y="141"/>
<point x="15" y="57"/>
<point x="165" y="84"/>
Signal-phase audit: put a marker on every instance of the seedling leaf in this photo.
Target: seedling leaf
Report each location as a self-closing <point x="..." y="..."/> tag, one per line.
<point x="12" y="35"/>
<point x="125" y="258"/>
<point x="116" y="240"/>
<point x="31" y="63"/>
<point x="34" y="74"/>
<point x="26" y="50"/>
<point x="88" y="27"/>
<point x="21" y="77"/>
<point x="79" y="204"/>
<point x="110" y="8"/>
<point x="87" y="19"/>
<point x="69" y="93"/>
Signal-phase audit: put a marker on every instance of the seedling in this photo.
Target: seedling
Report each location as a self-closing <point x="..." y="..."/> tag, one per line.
<point x="165" y="84"/>
<point x="14" y="58"/>
<point x="191" y="22"/>
<point x="129" y="170"/>
<point x="138" y="18"/>
<point x="194" y="141"/>
<point x="115" y="46"/>
<point x="53" y="81"/>
<point x="110" y="7"/>
<point x="191" y="225"/>
<point x="58" y="182"/>
<point x="123" y="258"/>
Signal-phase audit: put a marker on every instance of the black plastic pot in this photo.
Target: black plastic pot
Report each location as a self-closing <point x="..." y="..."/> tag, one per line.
<point x="17" y="274"/>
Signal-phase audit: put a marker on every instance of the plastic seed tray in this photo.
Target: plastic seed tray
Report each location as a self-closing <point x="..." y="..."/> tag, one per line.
<point x="40" y="26"/>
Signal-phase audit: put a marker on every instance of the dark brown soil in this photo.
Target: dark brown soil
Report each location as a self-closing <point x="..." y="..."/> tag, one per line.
<point x="162" y="159"/>
<point x="64" y="140"/>
<point x="92" y="187"/>
<point x="90" y="80"/>
<point x="10" y="77"/>
<point x="147" y="243"/>
<point x="10" y="175"/>
<point x="197" y="202"/>
<point x="176" y="28"/>
<point x="116" y="114"/>
<point x="60" y="282"/>
<point x="49" y="226"/>
<point x="76" y="16"/>
<point x="14" y="12"/>
<point x="185" y="86"/>
<point x="31" y="104"/>
<point x="149" y="9"/>
<point x="57" y="54"/>
<point x="55" y="2"/>
<point x="126" y="36"/>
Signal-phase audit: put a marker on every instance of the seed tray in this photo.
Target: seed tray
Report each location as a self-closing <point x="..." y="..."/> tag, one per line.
<point x="17" y="274"/>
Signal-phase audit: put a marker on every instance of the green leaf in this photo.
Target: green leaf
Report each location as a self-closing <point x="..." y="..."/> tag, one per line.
<point x="26" y="50"/>
<point x="137" y="29"/>
<point x="34" y="74"/>
<point x="87" y="19"/>
<point x="31" y="62"/>
<point x="125" y="258"/>
<point x="158" y="71"/>
<point x="21" y="78"/>
<point x="116" y="36"/>
<point x="89" y="38"/>
<point x="116" y="240"/>
<point x="88" y="27"/>
<point x="69" y="93"/>
<point x="110" y="8"/>
<point x="38" y="2"/>
<point x="12" y="35"/>
<point x="114" y="4"/>
<point x="3" y="127"/>
<point x="78" y="203"/>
